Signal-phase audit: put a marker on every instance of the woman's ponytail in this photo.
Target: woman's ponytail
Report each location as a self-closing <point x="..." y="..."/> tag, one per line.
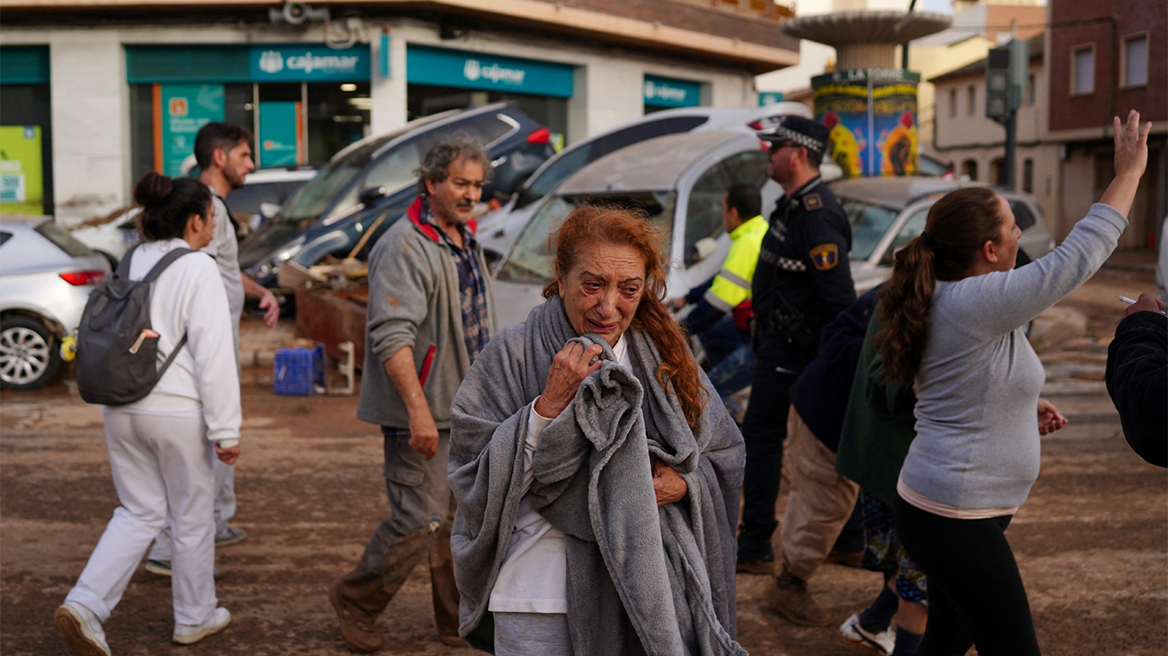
<point x="958" y="225"/>
<point x="904" y="310"/>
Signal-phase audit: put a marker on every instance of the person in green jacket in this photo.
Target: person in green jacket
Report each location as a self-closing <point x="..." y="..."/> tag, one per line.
<point x="877" y="430"/>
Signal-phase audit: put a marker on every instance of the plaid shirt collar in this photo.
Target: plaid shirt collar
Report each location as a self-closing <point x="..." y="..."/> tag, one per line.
<point x="471" y="284"/>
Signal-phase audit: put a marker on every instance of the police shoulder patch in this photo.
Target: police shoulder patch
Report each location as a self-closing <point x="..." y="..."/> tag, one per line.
<point x="825" y="256"/>
<point x="812" y="202"/>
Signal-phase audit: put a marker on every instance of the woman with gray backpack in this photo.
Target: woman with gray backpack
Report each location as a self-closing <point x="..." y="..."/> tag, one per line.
<point x="163" y="431"/>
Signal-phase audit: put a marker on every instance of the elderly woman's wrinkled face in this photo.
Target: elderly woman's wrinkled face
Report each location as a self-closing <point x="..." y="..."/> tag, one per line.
<point x="603" y="289"/>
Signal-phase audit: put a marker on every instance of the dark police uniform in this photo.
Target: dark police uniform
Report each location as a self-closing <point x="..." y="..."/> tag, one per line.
<point x="802" y="282"/>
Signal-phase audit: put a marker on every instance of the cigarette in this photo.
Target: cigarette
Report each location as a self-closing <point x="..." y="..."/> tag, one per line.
<point x="1131" y="301"/>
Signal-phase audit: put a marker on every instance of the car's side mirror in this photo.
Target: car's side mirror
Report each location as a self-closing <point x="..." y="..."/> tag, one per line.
<point x="369" y="195"/>
<point x="269" y="210"/>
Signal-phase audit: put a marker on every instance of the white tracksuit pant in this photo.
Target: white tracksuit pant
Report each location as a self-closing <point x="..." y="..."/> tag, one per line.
<point x="158" y="462"/>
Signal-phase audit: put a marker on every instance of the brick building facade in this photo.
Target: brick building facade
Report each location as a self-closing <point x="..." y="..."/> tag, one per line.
<point x="1103" y="60"/>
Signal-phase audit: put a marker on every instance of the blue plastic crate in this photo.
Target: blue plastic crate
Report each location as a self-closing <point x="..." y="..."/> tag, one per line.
<point x="298" y="370"/>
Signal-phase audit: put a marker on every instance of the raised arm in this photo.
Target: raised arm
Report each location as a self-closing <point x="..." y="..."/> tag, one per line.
<point x="1131" y="158"/>
<point x="1017" y="296"/>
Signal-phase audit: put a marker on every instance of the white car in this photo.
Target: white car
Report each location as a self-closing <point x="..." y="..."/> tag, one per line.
<point x="263" y="193"/>
<point x="678" y="179"/>
<point x="499" y="229"/>
<point x="45" y="280"/>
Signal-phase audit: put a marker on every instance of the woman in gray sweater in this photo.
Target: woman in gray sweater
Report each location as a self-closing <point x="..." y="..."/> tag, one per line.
<point x="953" y="314"/>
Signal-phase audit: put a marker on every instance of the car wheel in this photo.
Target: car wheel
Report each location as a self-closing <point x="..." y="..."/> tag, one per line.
<point x="29" y="356"/>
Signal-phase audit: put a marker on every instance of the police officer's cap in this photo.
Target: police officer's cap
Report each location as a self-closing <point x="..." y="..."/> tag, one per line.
<point x="800" y="131"/>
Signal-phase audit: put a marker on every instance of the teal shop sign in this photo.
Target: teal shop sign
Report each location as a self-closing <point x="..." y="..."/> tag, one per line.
<point x="279" y="133"/>
<point x="667" y="92"/>
<point x="769" y="97"/>
<point x="473" y="70"/>
<point x="24" y="65"/>
<point x="185" y="109"/>
<point x="242" y="63"/>
<point x="306" y="63"/>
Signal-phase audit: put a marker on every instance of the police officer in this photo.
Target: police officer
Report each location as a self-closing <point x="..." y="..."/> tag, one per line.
<point x="801" y="282"/>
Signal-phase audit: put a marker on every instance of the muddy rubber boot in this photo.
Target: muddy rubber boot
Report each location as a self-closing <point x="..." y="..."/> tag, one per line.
<point x="791" y="599"/>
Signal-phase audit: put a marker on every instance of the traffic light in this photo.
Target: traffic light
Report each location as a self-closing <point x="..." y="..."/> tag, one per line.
<point x="1006" y="72"/>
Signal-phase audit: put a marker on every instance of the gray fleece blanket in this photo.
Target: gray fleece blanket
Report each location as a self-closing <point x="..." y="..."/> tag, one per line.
<point x="641" y="579"/>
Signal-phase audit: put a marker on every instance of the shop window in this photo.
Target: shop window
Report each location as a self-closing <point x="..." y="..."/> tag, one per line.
<point x="238" y="109"/>
<point x="1135" y="60"/>
<point x="1083" y="70"/>
<point x="337" y="116"/>
<point x="1028" y="176"/>
<point x="969" y="169"/>
<point x="997" y="171"/>
<point x="28" y="105"/>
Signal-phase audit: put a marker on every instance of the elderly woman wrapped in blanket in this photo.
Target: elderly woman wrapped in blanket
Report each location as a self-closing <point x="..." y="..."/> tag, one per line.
<point x="597" y="486"/>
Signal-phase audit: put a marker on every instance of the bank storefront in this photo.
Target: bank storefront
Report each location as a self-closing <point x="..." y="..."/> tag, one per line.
<point x="304" y="102"/>
<point x="439" y="79"/>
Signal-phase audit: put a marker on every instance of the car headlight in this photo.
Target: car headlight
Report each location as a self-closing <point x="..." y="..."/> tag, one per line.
<point x="269" y="267"/>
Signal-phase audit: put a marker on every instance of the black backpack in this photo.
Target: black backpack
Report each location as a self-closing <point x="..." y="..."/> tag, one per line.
<point x="117" y="350"/>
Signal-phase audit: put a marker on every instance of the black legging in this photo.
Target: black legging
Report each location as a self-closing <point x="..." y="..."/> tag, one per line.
<point x="976" y="595"/>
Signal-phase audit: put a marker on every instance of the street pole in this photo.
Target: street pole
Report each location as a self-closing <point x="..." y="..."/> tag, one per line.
<point x="904" y="46"/>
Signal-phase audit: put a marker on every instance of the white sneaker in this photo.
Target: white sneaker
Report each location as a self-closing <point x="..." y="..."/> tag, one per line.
<point x="82" y="629"/>
<point x="188" y="634"/>
<point x="880" y="644"/>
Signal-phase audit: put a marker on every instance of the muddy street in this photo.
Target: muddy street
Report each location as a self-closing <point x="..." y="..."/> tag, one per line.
<point x="1091" y="541"/>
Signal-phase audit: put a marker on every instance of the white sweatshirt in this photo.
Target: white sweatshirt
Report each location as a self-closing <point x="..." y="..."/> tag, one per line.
<point x="188" y="297"/>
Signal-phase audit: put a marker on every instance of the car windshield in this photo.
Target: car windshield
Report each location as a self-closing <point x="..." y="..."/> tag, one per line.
<point x="63" y="240"/>
<point x="532" y="259"/>
<point x="869" y="223"/>
<point x="320" y="192"/>
<point x="574" y="159"/>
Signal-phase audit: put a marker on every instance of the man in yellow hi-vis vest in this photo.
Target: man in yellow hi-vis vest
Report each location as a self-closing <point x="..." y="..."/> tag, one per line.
<point x="722" y="312"/>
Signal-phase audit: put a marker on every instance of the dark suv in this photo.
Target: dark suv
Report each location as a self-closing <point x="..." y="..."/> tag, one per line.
<point x="329" y="215"/>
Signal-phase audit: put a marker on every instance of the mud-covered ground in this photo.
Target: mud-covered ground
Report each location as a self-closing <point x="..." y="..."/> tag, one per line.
<point x="1091" y="541"/>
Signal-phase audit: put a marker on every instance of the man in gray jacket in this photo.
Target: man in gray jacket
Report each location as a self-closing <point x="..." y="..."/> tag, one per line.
<point x="430" y="313"/>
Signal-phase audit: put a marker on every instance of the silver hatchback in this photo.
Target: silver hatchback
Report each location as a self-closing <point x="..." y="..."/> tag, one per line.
<point x="45" y="279"/>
